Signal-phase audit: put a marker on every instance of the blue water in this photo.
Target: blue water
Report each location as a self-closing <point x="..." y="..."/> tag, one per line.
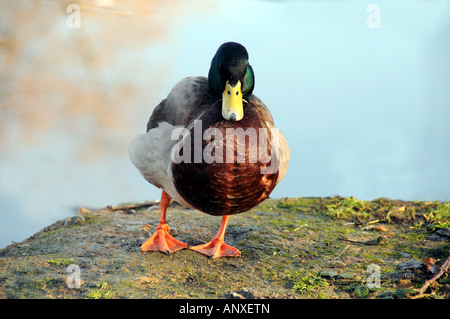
<point x="365" y="110"/>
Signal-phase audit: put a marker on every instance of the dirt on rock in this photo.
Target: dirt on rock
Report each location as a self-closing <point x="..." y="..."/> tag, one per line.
<point x="291" y="248"/>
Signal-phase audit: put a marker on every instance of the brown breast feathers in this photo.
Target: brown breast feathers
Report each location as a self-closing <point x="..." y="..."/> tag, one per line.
<point x="226" y="167"/>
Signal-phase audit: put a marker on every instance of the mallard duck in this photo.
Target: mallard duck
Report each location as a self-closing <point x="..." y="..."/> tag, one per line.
<point x="211" y="145"/>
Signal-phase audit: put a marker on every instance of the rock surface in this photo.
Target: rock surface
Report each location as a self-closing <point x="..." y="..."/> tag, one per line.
<point x="291" y="248"/>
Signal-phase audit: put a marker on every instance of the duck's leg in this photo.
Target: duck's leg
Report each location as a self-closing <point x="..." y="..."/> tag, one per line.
<point x="217" y="247"/>
<point x="161" y="240"/>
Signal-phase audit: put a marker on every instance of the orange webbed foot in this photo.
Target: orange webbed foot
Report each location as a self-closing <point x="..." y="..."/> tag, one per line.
<point x="216" y="248"/>
<point x="162" y="241"/>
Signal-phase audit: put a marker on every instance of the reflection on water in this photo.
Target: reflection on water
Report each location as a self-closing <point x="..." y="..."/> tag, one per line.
<point x="71" y="99"/>
<point x="365" y="111"/>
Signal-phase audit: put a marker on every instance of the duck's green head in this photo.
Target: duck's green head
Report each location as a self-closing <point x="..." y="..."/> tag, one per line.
<point x="231" y="77"/>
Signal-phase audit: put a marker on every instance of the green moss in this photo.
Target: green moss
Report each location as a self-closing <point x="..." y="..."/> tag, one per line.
<point x="47" y="283"/>
<point x="127" y="283"/>
<point x="296" y="204"/>
<point x="49" y="233"/>
<point x="60" y="261"/>
<point x="308" y="282"/>
<point x="268" y="205"/>
<point x="416" y="236"/>
<point x="95" y="219"/>
<point x="349" y="208"/>
<point x="438" y="217"/>
<point x="103" y="291"/>
<point x="371" y="257"/>
<point x="291" y="248"/>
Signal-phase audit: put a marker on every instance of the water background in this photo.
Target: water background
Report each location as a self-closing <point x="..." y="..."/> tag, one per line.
<point x="365" y="110"/>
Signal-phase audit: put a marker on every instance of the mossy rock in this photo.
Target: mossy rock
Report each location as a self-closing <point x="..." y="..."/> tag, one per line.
<point x="291" y="248"/>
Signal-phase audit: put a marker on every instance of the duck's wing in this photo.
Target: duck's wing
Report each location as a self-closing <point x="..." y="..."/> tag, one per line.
<point x="283" y="147"/>
<point x="261" y="108"/>
<point x="285" y="154"/>
<point x="188" y="98"/>
<point x="151" y="152"/>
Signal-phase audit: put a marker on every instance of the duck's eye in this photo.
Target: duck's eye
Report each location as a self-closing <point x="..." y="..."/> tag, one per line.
<point x="229" y="92"/>
<point x="237" y="92"/>
<point x="220" y="65"/>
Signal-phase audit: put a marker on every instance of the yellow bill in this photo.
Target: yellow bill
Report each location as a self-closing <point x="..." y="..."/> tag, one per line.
<point x="232" y="106"/>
